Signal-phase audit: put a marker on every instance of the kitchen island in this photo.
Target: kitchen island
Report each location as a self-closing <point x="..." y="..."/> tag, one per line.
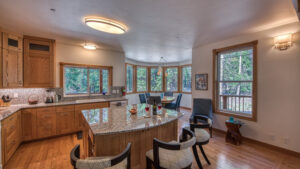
<point x="108" y="130"/>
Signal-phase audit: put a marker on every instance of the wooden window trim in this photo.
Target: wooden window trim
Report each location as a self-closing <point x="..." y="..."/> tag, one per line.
<point x="136" y="67"/>
<point x="109" y="68"/>
<point x="178" y="78"/>
<point x="254" y="84"/>
<point x="133" y="79"/>
<point x="181" y="67"/>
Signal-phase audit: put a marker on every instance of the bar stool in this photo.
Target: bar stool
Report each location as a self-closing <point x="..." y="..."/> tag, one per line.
<point x="121" y="161"/>
<point x="172" y="155"/>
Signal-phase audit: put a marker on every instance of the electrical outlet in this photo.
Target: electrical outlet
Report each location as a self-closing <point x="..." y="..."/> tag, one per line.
<point x="286" y="140"/>
<point x="16" y="95"/>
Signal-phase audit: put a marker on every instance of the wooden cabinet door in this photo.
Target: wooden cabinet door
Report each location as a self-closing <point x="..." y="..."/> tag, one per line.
<point x="65" y="119"/>
<point x="28" y="117"/>
<point x="79" y="123"/>
<point x="39" y="62"/>
<point x="101" y="105"/>
<point x="46" y="122"/>
<point x="12" y="42"/>
<point x="12" y="68"/>
<point x="11" y="135"/>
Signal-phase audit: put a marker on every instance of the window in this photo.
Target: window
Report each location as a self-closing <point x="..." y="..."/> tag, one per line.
<point x="141" y="79"/>
<point x="84" y="80"/>
<point x="156" y="82"/>
<point x="171" y="75"/>
<point x="129" y="78"/>
<point x="186" y="77"/>
<point x="235" y="80"/>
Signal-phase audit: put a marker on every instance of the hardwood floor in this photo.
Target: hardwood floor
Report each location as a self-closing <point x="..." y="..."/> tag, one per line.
<point x="54" y="154"/>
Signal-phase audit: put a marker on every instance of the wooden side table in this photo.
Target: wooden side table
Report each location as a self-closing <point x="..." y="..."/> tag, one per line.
<point x="233" y="134"/>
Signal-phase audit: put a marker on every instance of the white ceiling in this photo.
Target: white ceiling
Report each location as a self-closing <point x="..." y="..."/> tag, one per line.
<point x="169" y="28"/>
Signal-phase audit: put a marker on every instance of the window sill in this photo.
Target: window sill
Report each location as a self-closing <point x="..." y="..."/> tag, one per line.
<point x="252" y="117"/>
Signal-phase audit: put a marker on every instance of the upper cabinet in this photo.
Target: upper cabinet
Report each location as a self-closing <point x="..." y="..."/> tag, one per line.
<point x="39" y="62"/>
<point x="11" y="61"/>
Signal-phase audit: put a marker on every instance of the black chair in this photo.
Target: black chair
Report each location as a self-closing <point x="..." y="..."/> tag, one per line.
<point x="203" y="107"/>
<point x="202" y="137"/>
<point x="157" y="100"/>
<point x="175" y="105"/>
<point x="120" y="161"/>
<point x="142" y="98"/>
<point x="172" y="154"/>
<point x="168" y="94"/>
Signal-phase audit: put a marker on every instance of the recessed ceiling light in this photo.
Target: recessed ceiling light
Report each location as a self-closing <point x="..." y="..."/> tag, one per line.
<point x="105" y="25"/>
<point x="89" y="46"/>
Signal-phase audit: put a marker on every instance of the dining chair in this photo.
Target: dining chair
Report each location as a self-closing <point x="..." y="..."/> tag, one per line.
<point x="168" y="94"/>
<point x="203" y="107"/>
<point x="172" y="154"/>
<point x="147" y="95"/>
<point x="175" y="105"/>
<point x="202" y="137"/>
<point x="157" y="100"/>
<point x="117" y="162"/>
<point x="142" y="98"/>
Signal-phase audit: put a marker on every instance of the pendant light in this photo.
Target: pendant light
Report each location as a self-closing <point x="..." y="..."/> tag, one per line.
<point x="162" y="62"/>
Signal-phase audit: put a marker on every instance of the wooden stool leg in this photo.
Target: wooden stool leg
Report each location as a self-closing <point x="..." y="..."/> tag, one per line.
<point x="197" y="157"/>
<point x="148" y="163"/>
<point x="204" y="155"/>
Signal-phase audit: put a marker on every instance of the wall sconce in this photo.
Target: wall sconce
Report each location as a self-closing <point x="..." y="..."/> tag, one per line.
<point x="283" y="42"/>
<point x="89" y="46"/>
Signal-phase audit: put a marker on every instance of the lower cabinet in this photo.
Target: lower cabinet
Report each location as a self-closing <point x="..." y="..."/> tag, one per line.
<point x="28" y="124"/>
<point x="11" y="136"/>
<point x="65" y="119"/>
<point x="46" y="122"/>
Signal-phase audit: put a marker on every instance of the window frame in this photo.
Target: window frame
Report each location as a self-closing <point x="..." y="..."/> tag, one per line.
<point x="133" y="78"/>
<point x="165" y="78"/>
<point x="181" y="79"/>
<point x="216" y="52"/>
<point x="149" y="83"/>
<point x="136" y="77"/>
<point x="86" y="66"/>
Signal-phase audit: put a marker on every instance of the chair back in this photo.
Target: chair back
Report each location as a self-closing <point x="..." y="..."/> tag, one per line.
<point x="122" y="160"/>
<point x="75" y="155"/>
<point x="202" y="107"/>
<point x="168" y="94"/>
<point x="178" y="100"/>
<point x="142" y="98"/>
<point x="147" y="95"/>
<point x="157" y="100"/>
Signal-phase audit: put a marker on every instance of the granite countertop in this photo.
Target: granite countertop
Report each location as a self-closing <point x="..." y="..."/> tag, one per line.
<point x="119" y="119"/>
<point x="7" y="111"/>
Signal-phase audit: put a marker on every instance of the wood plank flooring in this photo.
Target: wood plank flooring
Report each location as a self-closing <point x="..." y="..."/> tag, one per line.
<point x="54" y="154"/>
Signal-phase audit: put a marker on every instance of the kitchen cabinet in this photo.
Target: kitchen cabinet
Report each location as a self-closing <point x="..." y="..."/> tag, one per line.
<point x="12" y="61"/>
<point x="65" y="119"/>
<point x="39" y="62"/>
<point x="29" y="124"/>
<point x="46" y="122"/>
<point x="11" y="136"/>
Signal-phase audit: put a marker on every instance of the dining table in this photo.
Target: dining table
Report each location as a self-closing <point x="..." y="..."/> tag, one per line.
<point x="166" y="100"/>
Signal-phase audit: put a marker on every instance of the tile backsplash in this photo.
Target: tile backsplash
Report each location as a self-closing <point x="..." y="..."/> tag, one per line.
<point x="20" y="96"/>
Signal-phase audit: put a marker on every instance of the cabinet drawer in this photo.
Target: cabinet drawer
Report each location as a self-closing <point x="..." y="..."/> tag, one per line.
<point x="65" y="108"/>
<point x="101" y="105"/>
<point x="83" y="107"/>
<point x="46" y="110"/>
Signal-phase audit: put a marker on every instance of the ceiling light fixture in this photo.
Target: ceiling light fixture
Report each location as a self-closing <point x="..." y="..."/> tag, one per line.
<point x="105" y="25"/>
<point x="89" y="46"/>
<point x="283" y="42"/>
<point x="162" y="62"/>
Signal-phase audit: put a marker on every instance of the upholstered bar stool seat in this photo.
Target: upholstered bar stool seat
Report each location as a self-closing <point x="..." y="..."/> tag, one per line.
<point x="201" y="135"/>
<point x="173" y="158"/>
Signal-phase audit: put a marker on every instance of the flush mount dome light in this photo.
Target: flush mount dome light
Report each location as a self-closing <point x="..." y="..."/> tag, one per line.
<point x="105" y="25"/>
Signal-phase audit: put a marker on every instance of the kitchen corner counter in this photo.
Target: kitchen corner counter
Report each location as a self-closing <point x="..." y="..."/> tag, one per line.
<point x="7" y="111"/>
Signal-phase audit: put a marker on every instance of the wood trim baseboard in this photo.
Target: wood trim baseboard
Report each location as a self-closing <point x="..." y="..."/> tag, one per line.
<point x="270" y="146"/>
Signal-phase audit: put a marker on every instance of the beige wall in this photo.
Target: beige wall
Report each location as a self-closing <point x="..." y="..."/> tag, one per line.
<point x="77" y="54"/>
<point x="278" y="120"/>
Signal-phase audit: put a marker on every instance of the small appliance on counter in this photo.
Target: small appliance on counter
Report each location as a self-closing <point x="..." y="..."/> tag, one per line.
<point x="5" y="101"/>
<point x="49" y="96"/>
